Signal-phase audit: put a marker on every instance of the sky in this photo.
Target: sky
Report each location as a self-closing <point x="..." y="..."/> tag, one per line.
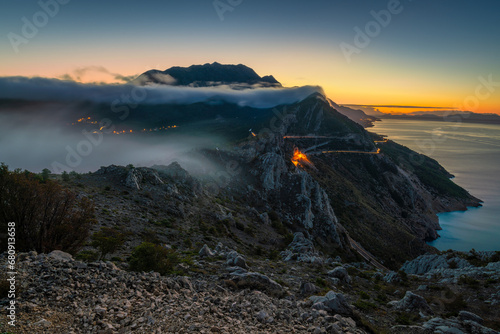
<point x="441" y="54"/>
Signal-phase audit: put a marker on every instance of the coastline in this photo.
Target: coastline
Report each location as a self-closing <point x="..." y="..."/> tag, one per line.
<point x="460" y="222"/>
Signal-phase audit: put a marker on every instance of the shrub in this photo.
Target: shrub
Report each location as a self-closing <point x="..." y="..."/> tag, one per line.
<point x="279" y="227"/>
<point x="187" y="243"/>
<point x="364" y="305"/>
<point x="364" y="295"/>
<point x="455" y="304"/>
<point x="274" y="254"/>
<point x="151" y="257"/>
<point x="47" y="215"/>
<point x="107" y="240"/>
<point x="240" y="226"/>
<point x="87" y="256"/>
<point x="405" y="318"/>
<point x="45" y="174"/>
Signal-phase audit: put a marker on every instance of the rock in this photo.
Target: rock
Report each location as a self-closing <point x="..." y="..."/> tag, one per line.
<point x="257" y="281"/>
<point x="412" y="303"/>
<point x="112" y="266"/>
<point x="222" y="250"/>
<point x="101" y="311"/>
<point x="426" y="263"/>
<point x="185" y="282"/>
<point x="136" y="177"/>
<point x="301" y="249"/>
<point x="334" y="302"/>
<point x="307" y="288"/>
<point x="43" y="323"/>
<point x="392" y="277"/>
<point x="455" y="326"/>
<point x="341" y="274"/>
<point x="262" y="316"/>
<point x="60" y="256"/>
<point x="235" y="259"/>
<point x="205" y="251"/>
<point x="464" y="315"/>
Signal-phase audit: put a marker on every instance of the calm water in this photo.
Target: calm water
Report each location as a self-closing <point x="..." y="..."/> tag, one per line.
<point x="472" y="153"/>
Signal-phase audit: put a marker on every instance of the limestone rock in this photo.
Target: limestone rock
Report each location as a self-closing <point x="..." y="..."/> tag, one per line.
<point x="257" y="281"/>
<point x="340" y="273"/>
<point x="464" y="315"/>
<point x="333" y="302"/>
<point x="412" y="303"/>
<point x="235" y="259"/>
<point x="60" y="256"/>
<point x="205" y="251"/>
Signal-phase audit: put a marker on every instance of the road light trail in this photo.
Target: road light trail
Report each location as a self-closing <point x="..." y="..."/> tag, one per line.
<point x="354" y="152"/>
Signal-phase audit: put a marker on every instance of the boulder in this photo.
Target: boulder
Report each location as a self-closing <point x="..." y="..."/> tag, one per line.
<point x="332" y="302"/>
<point x="426" y="263"/>
<point x="43" y="323"/>
<point x="340" y="273"/>
<point x="235" y="259"/>
<point x="205" y="251"/>
<point x="257" y="281"/>
<point x="301" y="249"/>
<point x="307" y="288"/>
<point x="412" y="303"/>
<point x="60" y="256"/>
<point x="464" y="315"/>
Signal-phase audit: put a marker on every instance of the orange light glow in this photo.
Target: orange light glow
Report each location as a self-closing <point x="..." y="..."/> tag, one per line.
<point x="300" y="158"/>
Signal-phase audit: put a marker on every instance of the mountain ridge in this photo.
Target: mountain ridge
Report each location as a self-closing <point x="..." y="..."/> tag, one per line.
<point x="206" y="75"/>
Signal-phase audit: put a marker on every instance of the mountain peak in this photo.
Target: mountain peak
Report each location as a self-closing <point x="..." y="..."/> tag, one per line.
<point x="206" y="75"/>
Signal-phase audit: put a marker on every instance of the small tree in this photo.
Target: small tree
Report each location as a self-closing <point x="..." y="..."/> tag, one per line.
<point x="151" y="257"/>
<point x="107" y="240"/>
<point x="65" y="176"/>
<point x="45" y="174"/>
<point x="47" y="216"/>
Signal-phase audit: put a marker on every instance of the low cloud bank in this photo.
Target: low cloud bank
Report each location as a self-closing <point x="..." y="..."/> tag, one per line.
<point x="44" y="89"/>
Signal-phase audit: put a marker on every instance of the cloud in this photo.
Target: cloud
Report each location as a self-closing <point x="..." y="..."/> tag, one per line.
<point x="43" y="89"/>
<point x="79" y="73"/>
<point x="166" y="79"/>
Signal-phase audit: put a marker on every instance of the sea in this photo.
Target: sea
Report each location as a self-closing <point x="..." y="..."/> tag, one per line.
<point x="471" y="152"/>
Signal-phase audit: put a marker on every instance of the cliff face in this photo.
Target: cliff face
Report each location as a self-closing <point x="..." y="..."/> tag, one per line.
<point x="378" y="192"/>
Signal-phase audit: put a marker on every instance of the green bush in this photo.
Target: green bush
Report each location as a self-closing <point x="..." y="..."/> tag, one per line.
<point x="364" y="295"/>
<point x="107" y="240"/>
<point x="151" y="257"/>
<point x="279" y="227"/>
<point x="404" y="318"/>
<point x="87" y="256"/>
<point x="364" y="305"/>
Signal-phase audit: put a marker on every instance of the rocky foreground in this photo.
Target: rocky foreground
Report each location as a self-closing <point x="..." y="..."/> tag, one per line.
<point x="66" y="296"/>
<point x="228" y="293"/>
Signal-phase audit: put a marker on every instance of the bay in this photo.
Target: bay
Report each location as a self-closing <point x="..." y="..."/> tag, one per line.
<point x="471" y="152"/>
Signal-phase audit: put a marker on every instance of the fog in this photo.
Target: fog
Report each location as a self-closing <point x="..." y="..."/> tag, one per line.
<point x="44" y="89"/>
<point x="34" y="145"/>
<point x="35" y="137"/>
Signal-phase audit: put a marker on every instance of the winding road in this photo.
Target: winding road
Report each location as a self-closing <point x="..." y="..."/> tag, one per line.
<point x="367" y="256"/>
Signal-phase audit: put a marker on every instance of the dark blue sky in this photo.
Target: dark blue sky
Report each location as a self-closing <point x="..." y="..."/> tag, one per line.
<point x="431" y="52"/>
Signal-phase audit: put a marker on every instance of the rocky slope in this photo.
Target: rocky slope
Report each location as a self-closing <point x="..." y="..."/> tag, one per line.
<point x="382" y="195"/>
<point x="223" y="291"/>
